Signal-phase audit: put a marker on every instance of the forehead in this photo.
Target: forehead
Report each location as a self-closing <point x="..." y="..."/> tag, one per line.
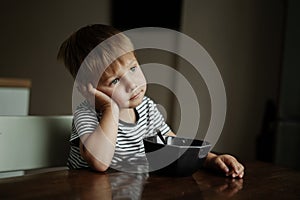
<point x="122" y="62"/>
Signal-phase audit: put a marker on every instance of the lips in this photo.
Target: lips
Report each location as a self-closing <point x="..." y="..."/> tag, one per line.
<point x="136" y="96"/>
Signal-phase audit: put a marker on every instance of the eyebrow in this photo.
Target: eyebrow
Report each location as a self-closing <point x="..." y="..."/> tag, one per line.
<point x="133" y="61"/>
<point x="107" y="79"/>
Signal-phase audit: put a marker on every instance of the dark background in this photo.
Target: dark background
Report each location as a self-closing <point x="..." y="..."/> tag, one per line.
<point x="254" y="43"/>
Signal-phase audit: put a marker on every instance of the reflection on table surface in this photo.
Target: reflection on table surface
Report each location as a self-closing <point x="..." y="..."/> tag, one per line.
<point x="262" y="181"/>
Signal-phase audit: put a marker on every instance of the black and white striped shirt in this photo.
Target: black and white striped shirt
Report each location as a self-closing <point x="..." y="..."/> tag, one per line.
<point x="129" y="145"/>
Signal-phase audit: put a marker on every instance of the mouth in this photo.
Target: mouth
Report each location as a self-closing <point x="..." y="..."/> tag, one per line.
<point x="136" y="96"/>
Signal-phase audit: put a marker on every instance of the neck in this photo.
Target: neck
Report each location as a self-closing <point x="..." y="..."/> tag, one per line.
<point x="127" y="115"/>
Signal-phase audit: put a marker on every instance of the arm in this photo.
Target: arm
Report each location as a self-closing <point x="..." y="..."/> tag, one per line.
<point x="98" y="148"/>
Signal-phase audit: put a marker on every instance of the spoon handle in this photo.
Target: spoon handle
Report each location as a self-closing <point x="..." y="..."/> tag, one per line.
<point x="160" y="136"/>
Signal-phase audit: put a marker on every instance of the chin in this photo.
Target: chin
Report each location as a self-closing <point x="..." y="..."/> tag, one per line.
<point x="135" y="103"/>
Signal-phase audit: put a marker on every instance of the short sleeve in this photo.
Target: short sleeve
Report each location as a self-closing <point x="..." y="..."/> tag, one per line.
<point x="85" y="121"/>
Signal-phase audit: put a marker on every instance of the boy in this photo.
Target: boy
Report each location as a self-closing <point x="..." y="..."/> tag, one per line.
<point x="108" y="128"/>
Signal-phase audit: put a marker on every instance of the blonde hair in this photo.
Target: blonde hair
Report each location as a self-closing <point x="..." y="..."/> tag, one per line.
<point x="91" y="49"/>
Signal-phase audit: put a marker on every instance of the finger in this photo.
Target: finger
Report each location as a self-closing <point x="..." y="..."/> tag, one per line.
<point x="234" y="175"/>
<point x="231" y="173"/>
<point x="241" y="175"/>
<point x="234" y="165"/>
<point x="239" y="168"/>
<point x="222" y="166"/>
<point x="84" y="91"/>
<point x="81" y="89"/>
<point x="91" y="89"/>
<point x="235" y="170"/>
<point x="238" y="175"/>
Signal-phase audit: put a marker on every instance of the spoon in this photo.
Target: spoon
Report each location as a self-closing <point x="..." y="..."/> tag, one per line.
<point x="161" y="137"/>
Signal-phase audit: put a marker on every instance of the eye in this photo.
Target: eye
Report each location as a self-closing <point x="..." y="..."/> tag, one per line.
<point x="115" y="81"/>
<point x="133" y="69"/>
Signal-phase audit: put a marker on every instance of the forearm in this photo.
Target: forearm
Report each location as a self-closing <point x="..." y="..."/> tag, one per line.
<point x="98" y="148"/>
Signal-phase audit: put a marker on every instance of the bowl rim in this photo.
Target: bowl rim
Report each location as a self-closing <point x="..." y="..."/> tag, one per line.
<point x="206" y="143"/>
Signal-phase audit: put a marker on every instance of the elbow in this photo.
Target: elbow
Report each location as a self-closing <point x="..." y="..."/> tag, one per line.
<point x="99" y="167"/>
<point x="93" y="162"/>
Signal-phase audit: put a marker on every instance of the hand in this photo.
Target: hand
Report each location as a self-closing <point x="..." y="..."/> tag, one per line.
<point x="98" y="98"/>
<point x="225" y="163"/>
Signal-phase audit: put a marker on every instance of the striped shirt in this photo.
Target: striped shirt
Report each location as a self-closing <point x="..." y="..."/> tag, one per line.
<point x="129" y="149"/>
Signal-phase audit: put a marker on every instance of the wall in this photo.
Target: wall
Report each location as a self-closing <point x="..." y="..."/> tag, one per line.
<point x="287" y="143"/>
<point x="31" y="33"/>
<point x="244" y="38"/>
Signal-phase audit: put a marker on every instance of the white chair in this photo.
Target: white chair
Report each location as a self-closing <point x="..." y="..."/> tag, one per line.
<point x="14" y="96"/>
<point x="33" y="142"/>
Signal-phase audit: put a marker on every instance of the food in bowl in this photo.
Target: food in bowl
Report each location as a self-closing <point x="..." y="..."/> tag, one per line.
<point x="176" y="156"/>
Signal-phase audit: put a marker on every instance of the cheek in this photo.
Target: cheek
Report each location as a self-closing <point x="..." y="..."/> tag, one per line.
<point x="118" y="95"/>
<point x="141" y="80"/>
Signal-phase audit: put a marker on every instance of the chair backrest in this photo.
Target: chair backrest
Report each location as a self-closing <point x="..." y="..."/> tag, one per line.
<point x="32" y="142"/>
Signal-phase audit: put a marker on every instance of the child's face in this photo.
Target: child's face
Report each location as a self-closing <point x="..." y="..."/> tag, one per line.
<point x="124" y="82"/>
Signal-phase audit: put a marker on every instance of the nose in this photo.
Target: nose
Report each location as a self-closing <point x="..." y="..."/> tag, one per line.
<point x="129" y="83"/>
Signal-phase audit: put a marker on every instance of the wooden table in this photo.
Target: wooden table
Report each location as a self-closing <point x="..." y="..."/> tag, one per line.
<point x="262" y="181"/>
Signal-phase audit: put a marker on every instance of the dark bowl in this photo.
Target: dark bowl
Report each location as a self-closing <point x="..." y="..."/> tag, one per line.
<point x="178" y="157"/>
